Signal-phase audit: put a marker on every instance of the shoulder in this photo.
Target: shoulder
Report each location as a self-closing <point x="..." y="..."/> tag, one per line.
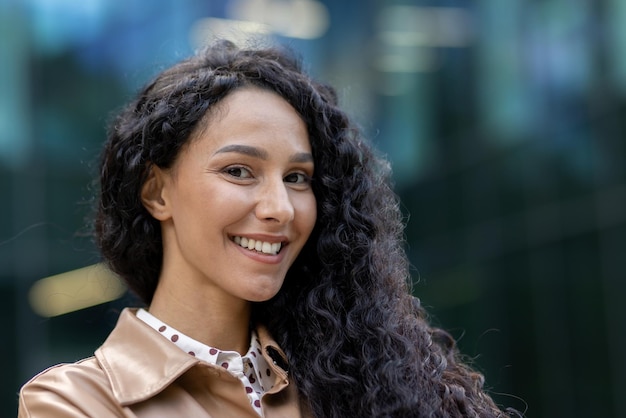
<point x="67" y="374"/>
<point x="70" y="390"/>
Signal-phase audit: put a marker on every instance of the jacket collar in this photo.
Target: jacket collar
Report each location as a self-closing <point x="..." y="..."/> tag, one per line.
<point x="139" y="363"/>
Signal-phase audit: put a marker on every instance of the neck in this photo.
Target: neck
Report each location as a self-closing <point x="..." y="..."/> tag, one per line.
<point x="223" y="324"/>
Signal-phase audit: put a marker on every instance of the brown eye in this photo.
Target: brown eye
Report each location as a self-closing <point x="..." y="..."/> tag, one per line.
<point x="298" y="178"/>
<point x="239" y="172"/>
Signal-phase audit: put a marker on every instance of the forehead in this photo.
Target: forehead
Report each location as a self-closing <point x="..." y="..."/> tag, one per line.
<point x="252" y="117"/>
<point x="249" y="103"/>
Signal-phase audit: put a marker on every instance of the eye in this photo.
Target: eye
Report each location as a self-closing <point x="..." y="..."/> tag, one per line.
<point x="238" y="172"/>
<point x="298" y="178"/>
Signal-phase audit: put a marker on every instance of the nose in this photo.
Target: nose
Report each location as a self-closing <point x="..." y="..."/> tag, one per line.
<point x="274" y="202"/>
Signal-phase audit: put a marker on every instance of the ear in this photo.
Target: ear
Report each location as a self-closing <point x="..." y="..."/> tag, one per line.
<point x="152" y="194"/>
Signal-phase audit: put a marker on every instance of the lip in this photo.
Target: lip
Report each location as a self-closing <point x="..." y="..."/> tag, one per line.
<point x="258" y="256"/>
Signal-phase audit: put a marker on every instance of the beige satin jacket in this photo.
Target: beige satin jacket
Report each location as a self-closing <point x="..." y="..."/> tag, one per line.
<point x="138" y="373"/>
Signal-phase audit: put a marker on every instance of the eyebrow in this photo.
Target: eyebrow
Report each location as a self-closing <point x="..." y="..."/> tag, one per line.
<point x="300" y="157"/>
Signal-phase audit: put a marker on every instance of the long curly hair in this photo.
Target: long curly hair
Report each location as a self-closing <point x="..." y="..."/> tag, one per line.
<point x="357" y="341"/>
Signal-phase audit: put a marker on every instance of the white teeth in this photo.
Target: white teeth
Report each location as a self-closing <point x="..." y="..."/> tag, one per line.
<point x="260" y="246"/>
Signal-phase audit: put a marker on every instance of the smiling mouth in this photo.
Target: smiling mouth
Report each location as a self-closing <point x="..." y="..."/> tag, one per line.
<point x="271" y="248"/>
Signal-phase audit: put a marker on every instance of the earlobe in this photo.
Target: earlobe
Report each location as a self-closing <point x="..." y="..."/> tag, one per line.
<point x="152" y="194"/>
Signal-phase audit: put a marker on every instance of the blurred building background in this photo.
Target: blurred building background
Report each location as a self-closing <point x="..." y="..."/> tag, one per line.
<point x="505" y="121"/>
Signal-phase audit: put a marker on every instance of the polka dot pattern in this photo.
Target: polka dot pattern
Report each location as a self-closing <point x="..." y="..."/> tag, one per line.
<point x="252" y="369"/>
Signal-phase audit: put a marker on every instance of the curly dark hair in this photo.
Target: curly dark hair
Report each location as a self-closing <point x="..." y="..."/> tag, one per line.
<point x="358" y="343"/>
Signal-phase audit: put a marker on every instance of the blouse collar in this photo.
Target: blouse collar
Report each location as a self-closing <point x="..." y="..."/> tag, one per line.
<point x="139" y="362"/>
<point x="252" y="368"/>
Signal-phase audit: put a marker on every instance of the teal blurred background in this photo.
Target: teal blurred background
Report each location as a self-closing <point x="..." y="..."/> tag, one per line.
<point x="505" y="121"/>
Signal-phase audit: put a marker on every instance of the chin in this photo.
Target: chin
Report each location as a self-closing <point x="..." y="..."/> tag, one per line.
<point x="263" y="295"/>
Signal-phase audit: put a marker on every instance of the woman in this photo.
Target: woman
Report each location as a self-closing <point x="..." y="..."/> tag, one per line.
<point x="242" y="206"/>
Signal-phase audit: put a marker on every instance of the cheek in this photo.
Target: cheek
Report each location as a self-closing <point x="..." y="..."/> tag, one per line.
<point x="209" y="206"/>
<point x="224" y="206"/>
<point x="307" y="210"/>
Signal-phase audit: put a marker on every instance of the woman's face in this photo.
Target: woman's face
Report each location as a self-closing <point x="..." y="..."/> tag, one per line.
<point x="237" y="206"/>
